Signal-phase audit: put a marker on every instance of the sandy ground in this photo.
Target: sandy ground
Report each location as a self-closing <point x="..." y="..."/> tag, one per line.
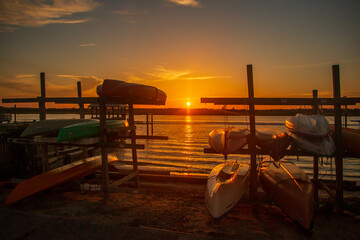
<point x="163" y="211"/>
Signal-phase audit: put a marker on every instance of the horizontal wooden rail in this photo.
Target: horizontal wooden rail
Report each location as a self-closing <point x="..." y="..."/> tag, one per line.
<point x="279" y="101"/>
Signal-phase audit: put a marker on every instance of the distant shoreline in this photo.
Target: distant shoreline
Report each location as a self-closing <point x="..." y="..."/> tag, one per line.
<point x="185" y="111"/>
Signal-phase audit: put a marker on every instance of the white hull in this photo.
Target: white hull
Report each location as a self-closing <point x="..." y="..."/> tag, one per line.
<point x="308" y="125"/>
<point x="221" y="193"/>
<point x="320" y="146"/>
<point x="228" y="140"/>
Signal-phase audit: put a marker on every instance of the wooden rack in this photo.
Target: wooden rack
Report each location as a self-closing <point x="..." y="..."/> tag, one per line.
<point x="251" y="101"/>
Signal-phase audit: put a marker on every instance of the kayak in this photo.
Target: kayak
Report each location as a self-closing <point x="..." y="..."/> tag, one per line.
<point x="228" y="140"/>
<point x="49" y="127"/>
<point x="290" y="188"/>
<point x="351" y="140"/>
<point x="273" y="141"/>
<point x="319" y="146"/>
<point x="91" y="129"/>
<point x="134" y="92"/>
<point x="56" y="177"/>
<point x="308" y="125"/>
<point x="226" y="185"/>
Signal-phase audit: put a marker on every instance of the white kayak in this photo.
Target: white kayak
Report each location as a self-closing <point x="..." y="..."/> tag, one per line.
<point x="319" y="146"/>
<point x="228" y="140"/>
<point x="226" y="185"/>
<point x="308" y="125"/>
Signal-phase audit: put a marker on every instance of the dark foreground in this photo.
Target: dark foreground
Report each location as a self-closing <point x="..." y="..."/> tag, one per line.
<point x="163" y="211"/>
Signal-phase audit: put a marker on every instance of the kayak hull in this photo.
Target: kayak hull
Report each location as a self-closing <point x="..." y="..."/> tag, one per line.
<point x="308" y="125"/>
<point x="290" y="188"/>
<point x="273" y="141"/>
<point x="222" y="194"/>
<point x="318" y="146"/>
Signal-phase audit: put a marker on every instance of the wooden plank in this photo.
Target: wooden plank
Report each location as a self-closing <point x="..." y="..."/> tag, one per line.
<point x="338" y="135"/>
<point x="316" y="158"/>
<point x="251" y="139"/>
<point x="103" y="140"/>
<point x="81" y="105"/>
<point x="278" y="101"/>
<point x="133" y="142"/>
<point x="43" y="96"/>
<point x="125" y="179"/>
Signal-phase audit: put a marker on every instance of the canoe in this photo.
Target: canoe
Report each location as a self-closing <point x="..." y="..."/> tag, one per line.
<point x="49" y="127"/>
<point x="56" y="177"/>
<point x="319" y="146"/>
<point x="273" y="141"/>
<point x="308" y="125"/>
<point x="133" y="92"/>
<point x="90" y="129"/>
<point x="351" y="140"/>
<point x="226" y="185"/>
<point x="290" y="188"/>
<point x="228" y="140"/>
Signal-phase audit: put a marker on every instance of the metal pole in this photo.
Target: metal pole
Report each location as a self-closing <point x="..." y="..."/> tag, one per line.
<point x="252" y="140"/>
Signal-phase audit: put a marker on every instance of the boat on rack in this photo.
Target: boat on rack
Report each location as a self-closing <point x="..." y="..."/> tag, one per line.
<point x="318" y="146"/>
<point x="350" y="140"/>
<point x="290" y="188"/>
<point x="49" y="128"/>
<point x="92" y="129"/>
<point x="273" y="141"/>
<point x="56" y="177"/>
<point x="226" y="185"/>
<point x="308" y="125"/>
<point x="131" y="92"/>
<point x="228" y="140"/>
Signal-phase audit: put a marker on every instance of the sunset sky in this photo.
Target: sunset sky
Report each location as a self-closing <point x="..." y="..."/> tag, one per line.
<point x="187" y="48"/>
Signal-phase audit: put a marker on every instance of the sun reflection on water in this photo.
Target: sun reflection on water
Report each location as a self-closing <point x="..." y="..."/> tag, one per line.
<point x="189" y="135"/>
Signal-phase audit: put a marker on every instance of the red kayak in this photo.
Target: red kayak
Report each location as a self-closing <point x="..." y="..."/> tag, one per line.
<point x="133" y="92"/>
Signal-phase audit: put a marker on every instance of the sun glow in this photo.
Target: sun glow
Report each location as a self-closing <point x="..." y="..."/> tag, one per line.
<point x="188" y="104"/>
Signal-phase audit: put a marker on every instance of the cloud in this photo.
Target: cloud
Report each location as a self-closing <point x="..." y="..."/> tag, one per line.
<point x="38" y="13"/>
<point x="130" y="15"/>
<point x="87" y="45"/>
<point x="88" y="83"/>
<point x="26" y="76"/>
<point x="190" y="3"/>
<point x="161" y="74"/>
<point x="20" y="87"/>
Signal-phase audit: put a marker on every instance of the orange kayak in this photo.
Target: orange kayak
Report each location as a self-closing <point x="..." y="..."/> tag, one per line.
<point x="55" y="177"/>
<point x="290" y="188"/>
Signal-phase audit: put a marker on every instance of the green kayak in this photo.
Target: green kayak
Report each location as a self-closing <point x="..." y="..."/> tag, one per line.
<point x="92" y="129"/>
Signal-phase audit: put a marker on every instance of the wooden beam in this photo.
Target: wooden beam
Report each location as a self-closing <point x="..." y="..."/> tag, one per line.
<point x="278" y="101"/>
<point x="43" y="97"/>
<point x="125" y="179"/>
<point x="338" y="135"/>
<point x="316" y="158"/>
<point x="104" y="157"/>
<point x="252" y="140"/>
<point x="133" y="142"/>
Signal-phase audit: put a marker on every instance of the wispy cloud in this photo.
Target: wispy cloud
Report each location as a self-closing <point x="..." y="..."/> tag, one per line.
<point x="161" y="74"/>
<point x="190" y="3"/>
<point x="88" y="83"/>
<point x="87" y="45"/>
<point x="130" y="14"/>
<point x="37" y="13"/>
<point x="26" y="75"/>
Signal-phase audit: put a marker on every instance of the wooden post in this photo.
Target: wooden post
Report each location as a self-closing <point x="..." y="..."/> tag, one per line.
<point x="133" y="142"/>
<point x="147" y="124"/>
<point x="338" y="135"/>
<point x="252" y="140"/>
<point x="152" y="124"/>
<point x="316" y="158"/>
<point x="81" y="105"/>
<point x="43" y="97"/>
<point x="103" y="140"/>
<point x="44" y="157"/>
<point x="15" y="113"/>
<point x="345" y="114"/>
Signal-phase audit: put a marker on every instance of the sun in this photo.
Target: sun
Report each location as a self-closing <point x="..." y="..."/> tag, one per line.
<point x="188" y="104"/>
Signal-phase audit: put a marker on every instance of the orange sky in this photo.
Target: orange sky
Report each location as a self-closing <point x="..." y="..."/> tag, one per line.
<point x="189" y="49"/>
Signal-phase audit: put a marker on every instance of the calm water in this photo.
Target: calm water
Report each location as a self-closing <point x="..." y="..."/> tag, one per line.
<point x="188" y="136"/>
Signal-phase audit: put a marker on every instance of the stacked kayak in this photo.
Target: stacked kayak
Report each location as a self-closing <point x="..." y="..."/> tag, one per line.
<point x="92" y="129"/>
<point x="350" y="140"/>
<point x="273" y="141"/>
<point x="49" y="128"/>
<point x="131" y="92"/>
<point x="310" y="133"/>
<point x="227" y="184"/>
<point x="228" y="140"/>
<point x="290" y="188"/>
